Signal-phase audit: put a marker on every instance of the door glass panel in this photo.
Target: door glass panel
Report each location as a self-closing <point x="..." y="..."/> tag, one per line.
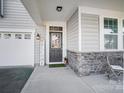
<point x="56" y="40"/>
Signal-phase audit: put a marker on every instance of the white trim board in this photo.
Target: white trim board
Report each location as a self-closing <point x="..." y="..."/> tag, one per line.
<point x="16" y="30"/>
<point x="56" y="62"/>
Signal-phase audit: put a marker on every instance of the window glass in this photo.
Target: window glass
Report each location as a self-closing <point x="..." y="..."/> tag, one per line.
<point x="56" y="40"/>
<point x="55" y="28"/>
<point x="18" y="36"/>
<point x="110" y="25"/>
<point x="7" y="36"/>
<point x="110" y="41"/>
<point x="0" y="36"/>
<point x="27" y="36"/>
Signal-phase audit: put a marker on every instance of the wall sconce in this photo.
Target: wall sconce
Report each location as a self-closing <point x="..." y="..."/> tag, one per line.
<point x="59" y="8"/>
<point x="1" y="8"/>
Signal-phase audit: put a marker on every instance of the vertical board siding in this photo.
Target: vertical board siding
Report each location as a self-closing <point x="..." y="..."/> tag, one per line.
<point x="15" y="16"/>
<point x="72" y="32"/>
<point x="90" y="32"/>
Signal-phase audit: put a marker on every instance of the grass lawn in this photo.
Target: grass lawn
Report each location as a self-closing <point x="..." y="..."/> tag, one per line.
<point x="12" y="80"/>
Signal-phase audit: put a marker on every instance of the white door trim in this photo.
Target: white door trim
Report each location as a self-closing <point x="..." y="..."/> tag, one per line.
<point x="63" y="24"/>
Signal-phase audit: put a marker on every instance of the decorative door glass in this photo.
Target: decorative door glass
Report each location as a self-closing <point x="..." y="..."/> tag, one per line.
<point x="55" y="40"/>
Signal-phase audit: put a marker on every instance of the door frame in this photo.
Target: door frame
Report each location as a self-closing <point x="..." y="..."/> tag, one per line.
<point x="62" y="24"/>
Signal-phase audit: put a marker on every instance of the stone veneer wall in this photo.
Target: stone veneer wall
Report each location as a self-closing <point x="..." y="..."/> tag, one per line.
<point x="87" y="62"/>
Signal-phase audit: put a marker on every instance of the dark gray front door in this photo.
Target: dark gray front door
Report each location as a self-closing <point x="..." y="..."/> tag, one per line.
<point x="55" y="47"/>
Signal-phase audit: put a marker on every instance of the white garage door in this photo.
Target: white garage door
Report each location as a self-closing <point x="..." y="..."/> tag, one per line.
<point x="16" y="48"/>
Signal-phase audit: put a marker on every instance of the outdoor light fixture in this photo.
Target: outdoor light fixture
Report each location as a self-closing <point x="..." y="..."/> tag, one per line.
<point x="1" y="8"/>
<point x="59" y="8"/>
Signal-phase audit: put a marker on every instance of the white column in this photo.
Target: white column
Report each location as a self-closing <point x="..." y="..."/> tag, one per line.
<point x="79" y="34"/>
<point x="101" y="32"/>
<point x="120" y="35"/>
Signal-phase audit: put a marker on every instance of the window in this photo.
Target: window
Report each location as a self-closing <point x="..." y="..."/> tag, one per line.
<point x="123" y="34"/>
<point x="27" y="36"/>
<point x="55" y="28"/>
<point x="56" y="40"/>
<point x="7" y="36"/>
<point x="18" y="36"/>
<point x="110" y="33"/>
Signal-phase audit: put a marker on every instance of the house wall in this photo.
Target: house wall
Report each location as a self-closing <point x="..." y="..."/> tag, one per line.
<point x="98" y="36"/>
<point x="73" y="32"/>
<point x="90" y="32"/>
<point x="16" y="16"/>
<point x="16" y="20"/>
<point x="85" y="29"/>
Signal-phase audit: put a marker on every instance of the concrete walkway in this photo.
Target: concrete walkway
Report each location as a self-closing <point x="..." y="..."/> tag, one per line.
<point x="55" y="80"/>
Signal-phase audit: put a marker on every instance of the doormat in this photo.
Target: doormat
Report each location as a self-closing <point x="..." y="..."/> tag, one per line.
<point x="56" y="65"/>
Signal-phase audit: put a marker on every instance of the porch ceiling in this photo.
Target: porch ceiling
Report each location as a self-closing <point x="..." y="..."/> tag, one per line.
<point x="45" y="10"/>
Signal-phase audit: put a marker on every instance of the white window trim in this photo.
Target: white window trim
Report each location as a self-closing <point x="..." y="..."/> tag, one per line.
<point x="119" y="34"/>
<point x="120" y="37"/>
<point x="110" y="33"/>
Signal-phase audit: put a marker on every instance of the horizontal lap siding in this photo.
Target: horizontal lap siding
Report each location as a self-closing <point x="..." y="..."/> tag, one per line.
<point x="72" y="32"/>
<point x="90" y="32"/>
<point x="15" y="16"/>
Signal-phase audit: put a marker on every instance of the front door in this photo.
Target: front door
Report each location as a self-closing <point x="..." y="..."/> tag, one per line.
<point x="55" y="47"/>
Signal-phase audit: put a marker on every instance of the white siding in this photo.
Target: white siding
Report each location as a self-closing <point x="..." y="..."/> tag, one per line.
<point x="72" y="32"/>
<point x="39" y="47"/>
<point x="90" y="32"/>
<point x="15" y="16"/>
<point x="117" y="5"/>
